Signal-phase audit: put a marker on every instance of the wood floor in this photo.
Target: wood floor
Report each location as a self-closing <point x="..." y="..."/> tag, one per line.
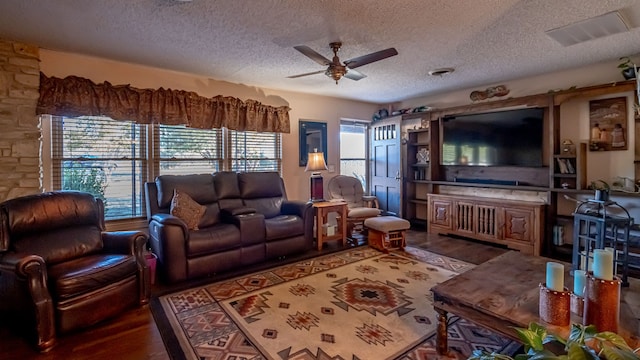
<point x="134" y="334"/>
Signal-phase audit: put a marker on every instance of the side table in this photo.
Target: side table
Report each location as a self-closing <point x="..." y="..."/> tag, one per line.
<point x="323" y="209"/>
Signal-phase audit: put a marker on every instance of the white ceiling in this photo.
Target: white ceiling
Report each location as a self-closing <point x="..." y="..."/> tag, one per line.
<point x="251" y="41"/>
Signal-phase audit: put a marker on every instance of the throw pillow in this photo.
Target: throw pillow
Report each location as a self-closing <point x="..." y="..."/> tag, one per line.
<point x="187" y="209"/>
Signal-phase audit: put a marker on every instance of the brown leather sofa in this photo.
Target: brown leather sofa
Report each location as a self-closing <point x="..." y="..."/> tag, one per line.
<point x="247" y="219"/>
<point x="61" y="270"/>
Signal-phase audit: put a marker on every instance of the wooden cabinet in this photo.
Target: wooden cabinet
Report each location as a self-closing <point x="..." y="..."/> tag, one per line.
<point x="570" y="169"/>
<point x="421" y="164"/>
<point x="518" y="225"/>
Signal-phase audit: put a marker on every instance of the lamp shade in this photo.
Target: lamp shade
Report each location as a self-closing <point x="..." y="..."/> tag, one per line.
<point x="315" y="162"/>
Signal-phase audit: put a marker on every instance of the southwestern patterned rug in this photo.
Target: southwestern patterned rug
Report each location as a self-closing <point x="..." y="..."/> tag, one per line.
<point x="354" y="304"/>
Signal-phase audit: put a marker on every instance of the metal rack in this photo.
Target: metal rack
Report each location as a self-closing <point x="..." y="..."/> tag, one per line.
<point x="596" y="228"/>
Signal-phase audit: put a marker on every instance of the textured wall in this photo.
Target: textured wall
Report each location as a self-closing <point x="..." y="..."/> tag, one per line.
<point x="19" y="125"/>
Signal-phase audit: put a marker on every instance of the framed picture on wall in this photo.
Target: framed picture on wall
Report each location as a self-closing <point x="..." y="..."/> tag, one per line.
<point x="608" y="123"/>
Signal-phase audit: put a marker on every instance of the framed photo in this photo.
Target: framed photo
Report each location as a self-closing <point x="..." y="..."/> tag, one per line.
<point x="608" y="123"/>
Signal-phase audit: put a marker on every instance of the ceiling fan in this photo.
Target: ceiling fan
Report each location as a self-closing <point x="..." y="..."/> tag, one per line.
<point x="336" y="70"/>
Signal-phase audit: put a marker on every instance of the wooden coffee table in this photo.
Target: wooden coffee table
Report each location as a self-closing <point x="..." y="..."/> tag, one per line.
<point x="503" y="293"/>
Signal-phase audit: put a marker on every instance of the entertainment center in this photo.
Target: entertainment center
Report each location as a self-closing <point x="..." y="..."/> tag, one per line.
<point x="498" y="186"/>
<point x="515" y="224"/>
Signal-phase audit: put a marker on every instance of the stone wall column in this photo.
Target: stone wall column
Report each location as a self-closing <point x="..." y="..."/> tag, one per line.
<point x="20" y="135"/>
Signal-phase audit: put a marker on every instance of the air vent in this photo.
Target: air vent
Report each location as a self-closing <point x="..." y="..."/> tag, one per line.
<point x="594" y="28"/>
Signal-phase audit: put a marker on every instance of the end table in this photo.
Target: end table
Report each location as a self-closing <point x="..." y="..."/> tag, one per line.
<point x="323" y="209"/>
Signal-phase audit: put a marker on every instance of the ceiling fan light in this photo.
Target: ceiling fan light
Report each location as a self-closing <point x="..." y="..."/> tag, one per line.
<point x="441" y="71"/>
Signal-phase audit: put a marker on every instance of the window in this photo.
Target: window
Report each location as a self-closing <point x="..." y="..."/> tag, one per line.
<point x="102" y="157"/>
<point x="113" y="159"/>
<point x="353" y="150"/>
<point x="254" y="151"/>
<point x="189" y="151"/>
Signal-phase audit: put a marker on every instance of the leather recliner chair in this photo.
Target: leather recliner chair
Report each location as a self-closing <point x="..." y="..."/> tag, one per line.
<point x="61" y="270"/>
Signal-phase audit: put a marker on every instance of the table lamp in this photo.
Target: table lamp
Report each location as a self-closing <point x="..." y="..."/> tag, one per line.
<point x="315" y="163"/>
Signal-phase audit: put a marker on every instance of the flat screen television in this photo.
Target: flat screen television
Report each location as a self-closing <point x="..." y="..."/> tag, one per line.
<point x="504" y="138"/>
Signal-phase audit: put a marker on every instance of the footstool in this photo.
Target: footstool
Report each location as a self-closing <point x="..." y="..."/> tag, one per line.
<point x="386" y="232"/>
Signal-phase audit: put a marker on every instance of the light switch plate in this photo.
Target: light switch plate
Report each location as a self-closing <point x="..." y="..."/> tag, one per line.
<point x="332" y="168"/>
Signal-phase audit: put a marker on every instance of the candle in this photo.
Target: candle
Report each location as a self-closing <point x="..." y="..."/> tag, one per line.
<point x="579" y="282"/>
<point x="602" y="264"/>
<point x="555" y="276"/>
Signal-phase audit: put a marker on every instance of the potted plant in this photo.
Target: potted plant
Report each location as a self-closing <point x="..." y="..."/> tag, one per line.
<point x="583" y="343"/>
<point x="627" y="68"/>
<point x="602" y="189"/>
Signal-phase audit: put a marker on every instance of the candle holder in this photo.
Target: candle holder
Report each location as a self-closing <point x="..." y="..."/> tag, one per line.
<point x="554" y="306"/>
<point x="602" y="303"/>
<point x="577" y="304"/>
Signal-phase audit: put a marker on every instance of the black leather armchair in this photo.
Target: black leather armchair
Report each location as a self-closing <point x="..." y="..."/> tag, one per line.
<point x="61" y="270"/>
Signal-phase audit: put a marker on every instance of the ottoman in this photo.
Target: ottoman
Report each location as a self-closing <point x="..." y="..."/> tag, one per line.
<point x="386" y="232"/>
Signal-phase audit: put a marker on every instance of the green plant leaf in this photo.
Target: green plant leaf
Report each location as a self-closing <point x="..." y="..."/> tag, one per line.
<point x="613" y="338"/>
<point x="546" y="355"/>
<point x="532" y="337"/>
<point x="581" y="352"/>
<point x="613" y="353"/>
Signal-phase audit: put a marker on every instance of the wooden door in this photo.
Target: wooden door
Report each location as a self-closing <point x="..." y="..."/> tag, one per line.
<point x="385" y="168"/>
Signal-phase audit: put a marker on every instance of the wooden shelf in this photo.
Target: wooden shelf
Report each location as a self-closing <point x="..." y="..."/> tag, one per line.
<point x="491" y="186"/>
<point x="417" y="176"/>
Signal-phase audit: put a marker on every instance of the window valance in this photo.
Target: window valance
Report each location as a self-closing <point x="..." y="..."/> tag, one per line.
<point x="76" y="96"/>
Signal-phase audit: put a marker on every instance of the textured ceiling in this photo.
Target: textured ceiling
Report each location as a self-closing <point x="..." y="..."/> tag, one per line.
<point x="251" y="42"/>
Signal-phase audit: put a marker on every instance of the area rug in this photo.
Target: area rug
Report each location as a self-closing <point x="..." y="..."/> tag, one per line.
<point x="355" y="304"/>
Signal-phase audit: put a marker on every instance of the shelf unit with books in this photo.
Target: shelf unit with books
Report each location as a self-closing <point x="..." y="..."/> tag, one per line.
<point x="569" y="168"/>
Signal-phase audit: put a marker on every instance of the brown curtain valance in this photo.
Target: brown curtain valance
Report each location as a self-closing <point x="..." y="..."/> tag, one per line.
<point x="76" y="96"/>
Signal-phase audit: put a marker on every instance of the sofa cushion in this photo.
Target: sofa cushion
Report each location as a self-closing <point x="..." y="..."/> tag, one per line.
<point x="60" y="245"/>
<point x="184" y="207"/>
<point x="199" y="187"/>
<point x="89" y="273"/>
<point x="261" y="185"/>
<point x="283" y="226"/>
<point x="220" y="237"/>
<point x="363" y="212"/>
<point x="227" y="189"/>
<point x="40" y="224"/>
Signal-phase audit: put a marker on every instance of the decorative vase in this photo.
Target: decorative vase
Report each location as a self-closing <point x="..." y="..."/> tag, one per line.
<point x="554" y="306"/>
<point x="629" y="73"/>
<point x="601" y="195"/>
<point x="602" y="303"/>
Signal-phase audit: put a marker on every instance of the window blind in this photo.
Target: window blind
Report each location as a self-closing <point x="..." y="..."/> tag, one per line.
<point x="102" y="157"/>
<point x="189" y="151"/>
<point x="251" y="151"/>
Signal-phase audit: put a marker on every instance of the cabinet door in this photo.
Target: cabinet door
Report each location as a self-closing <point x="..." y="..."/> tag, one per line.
<point x="464" y="218"/>
<point x="486" y="222"/>
<point x="519" y="224"/>
<point x="440" y="216"/>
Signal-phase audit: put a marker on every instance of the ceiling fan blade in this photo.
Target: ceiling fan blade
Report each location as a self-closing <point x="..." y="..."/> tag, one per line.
<point x="354" y="75"/>
<point x="311" y="73"/>
<point x="312" y="54"/>
<point x="369" y="58"/>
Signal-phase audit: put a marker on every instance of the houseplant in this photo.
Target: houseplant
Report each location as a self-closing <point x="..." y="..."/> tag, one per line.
<point x="627" y="68"/>
<point x="584" y="342"/>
